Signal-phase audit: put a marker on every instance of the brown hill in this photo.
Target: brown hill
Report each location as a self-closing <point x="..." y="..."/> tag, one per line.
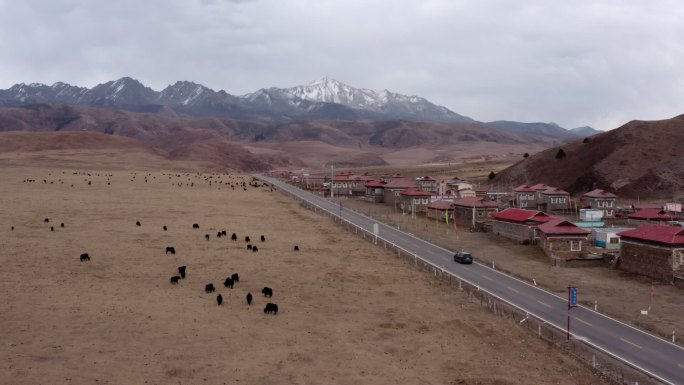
<point x="246" y="145"/>
<point x="640" y="159"/>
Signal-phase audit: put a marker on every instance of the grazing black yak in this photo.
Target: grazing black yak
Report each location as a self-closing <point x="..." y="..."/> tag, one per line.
<point x="296" y="248"/>
<point x="249" y="298"/>
<point x="209" y="288"/>
<point x="263" y="239"/>
<point x="235" y="277"/>
<point x="171" y="250"/>
<point x="267" y="292"/>
<point x="247" y="239"/>
<point x="164" y="228"/>
<point x="228" y="283"/>
<point x="85" y="257"/>
<point x="181" y="271"/>
<point x="233" y="237"/>
<point x="219" y="299"/>
<point x="255" y="249"/>
<point x="195" y="226"/>
<point x="174" y="279"/>
<point x="271" y="308"/>
<point x="137" y="223"/>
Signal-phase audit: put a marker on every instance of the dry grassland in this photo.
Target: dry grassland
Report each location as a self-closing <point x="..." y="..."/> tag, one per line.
<point x="350" y="313"/>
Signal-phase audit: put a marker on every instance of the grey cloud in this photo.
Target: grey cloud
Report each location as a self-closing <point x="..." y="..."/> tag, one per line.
<point x="599" y="63"/>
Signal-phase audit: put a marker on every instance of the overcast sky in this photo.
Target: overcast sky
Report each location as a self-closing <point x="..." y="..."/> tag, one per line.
<point x="599" y="63"/>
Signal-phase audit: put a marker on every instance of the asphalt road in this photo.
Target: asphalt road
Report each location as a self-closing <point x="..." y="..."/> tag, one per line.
<point x="653" y="355"/>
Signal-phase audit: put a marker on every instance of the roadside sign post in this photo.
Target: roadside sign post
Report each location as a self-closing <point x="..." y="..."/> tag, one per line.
<point x="376" y="230"/>
<point x="572" y="302"/>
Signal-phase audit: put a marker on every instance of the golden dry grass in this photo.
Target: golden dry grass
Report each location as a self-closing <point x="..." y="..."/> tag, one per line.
<point x="350" y="313"/>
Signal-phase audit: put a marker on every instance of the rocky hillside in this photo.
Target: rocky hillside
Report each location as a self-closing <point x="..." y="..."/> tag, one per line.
<point x="640" y="159"/>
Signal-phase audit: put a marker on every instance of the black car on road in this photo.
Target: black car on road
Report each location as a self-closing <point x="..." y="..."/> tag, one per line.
<point x="463" y="257"/>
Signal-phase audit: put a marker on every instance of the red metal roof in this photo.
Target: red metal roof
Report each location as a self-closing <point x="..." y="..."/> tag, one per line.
<point x="400" y="184"/>
<point x="540" y="186"/>
<point x="440" y="205"/>
<point x="416" y="192"/>
<point x="365" y="177"/>
<point x="521" y="216"/>
<point x="474" y="202"/>
<point x="668" y="235"/>
<point x="376" y="183"/>
<point x="598" y="193"/>
<point x="523" y="188"/>
<point x="554" y="191"/>
<point x="559" y="226"/>
<point x="653" y="215"/>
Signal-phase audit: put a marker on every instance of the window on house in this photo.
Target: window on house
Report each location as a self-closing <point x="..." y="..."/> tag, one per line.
<point x="425" y="201"/>
<point x="396" y="193"/>
<point x="614" y="241"/>
<point x="575" y="245"/>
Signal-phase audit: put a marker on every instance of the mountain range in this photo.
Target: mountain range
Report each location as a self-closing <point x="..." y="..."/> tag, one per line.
<point x="324" y="99"/>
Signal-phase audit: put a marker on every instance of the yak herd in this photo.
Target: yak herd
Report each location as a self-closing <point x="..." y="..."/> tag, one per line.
<point x="231" y="281"/>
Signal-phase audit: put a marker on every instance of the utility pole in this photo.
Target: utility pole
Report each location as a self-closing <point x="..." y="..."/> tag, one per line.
<point x="332" y="177"/>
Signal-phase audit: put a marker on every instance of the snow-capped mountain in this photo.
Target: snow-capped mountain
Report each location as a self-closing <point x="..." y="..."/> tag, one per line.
<point x="324" y="99"/>
<point x="366" y="103"/>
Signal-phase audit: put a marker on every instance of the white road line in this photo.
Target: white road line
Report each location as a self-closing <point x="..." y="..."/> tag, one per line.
<point x="583" y="321"/>
<point x="631" y="343"/>
<point x="545" y="304"/>
<point x="512" y="289"/>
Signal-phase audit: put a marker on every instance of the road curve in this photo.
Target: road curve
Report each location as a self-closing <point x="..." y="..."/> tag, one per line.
<point x="652" y="355"/>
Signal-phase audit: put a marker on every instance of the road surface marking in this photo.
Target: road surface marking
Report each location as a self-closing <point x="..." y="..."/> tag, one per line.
<point x="583" y="321"/>
<point x="512" y="289"/>
<point x="631" y="343"/>
<point x="545" y="304"/>
<point x="486" y="277"/>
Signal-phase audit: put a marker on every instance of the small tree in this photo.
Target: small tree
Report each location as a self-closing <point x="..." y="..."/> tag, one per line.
<point x="492" y="175"/>
<point x="560" y="154"/>
<point x="526" y="155"/>
<point x="586" y="140"/>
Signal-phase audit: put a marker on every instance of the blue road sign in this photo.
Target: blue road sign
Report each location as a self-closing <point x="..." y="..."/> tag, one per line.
<point x="572" y="296"/>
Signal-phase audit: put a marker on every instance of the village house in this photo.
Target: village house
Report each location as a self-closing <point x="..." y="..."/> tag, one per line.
<point x="375" y="191"/>
<point x="440" y="210"/>
<point x="553" y="199"/>
<point x="460" y="188"/>
<point x="359" y="187"/>
<point x="392" y="191"/>
<point x="652" y="215"/>
<point x="415" y="201"/>
<point x="317" y="184"/>
<point x="653" y="250"/>
<point x="518" y="224"/>
<point x="600" y="200"/>
<point x="524" y="197"/>
<point x="561" y="240"/>
<point x="468" y="211"/>
<point x="427" y="183"/>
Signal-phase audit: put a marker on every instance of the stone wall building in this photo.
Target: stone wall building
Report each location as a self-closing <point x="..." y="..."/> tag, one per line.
<point x="518" y="224"/>
<point x="656" y="251"/>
